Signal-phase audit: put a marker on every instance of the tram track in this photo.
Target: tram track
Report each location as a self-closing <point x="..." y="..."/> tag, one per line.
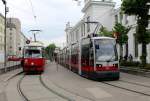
<point x="24" y="96"/>
<point x="128" y="89"/>
<point x="134" y="83"/>
<point x="65" y="97"/>
<point x="53" y="91"/>
<point x="20" y="90"/>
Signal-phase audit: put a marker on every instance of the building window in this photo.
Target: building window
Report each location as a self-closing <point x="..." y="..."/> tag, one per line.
<point x="88" y="24"/>
<point x="83" y="29"/>
<point x="126" y="19"/>
<point x="82" y="33"/>
<point x="135" y="45"/>
<point x="116" y="18"/>
<point x="121" y="17"/>
<point x="77" y="34"/>
<point x="67" y="38"/>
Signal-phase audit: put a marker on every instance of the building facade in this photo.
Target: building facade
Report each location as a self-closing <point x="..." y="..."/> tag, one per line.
<point x="94" y="10"/>
<point x="23" y="40"/>
<point x="103" y="11"/>
<point x="15" y="38"/>
<point x="132" y="47"/>
<point x="2" y="26"/>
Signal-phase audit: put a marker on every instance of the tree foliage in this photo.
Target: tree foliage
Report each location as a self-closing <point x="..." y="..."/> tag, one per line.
<point x="140" y="8"/>
<point x="50" y="50"/>
<point x="104" y="32"/>
<point x="122" y="37"/>
<point x="121" y="31"/>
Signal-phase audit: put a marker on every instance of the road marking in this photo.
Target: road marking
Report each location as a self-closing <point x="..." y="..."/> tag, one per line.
<point x="98" y="93"/>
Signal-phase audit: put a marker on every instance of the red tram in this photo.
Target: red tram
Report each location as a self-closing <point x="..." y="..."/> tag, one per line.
<point x="94" y="58"/>
<point x="33" y="58"/>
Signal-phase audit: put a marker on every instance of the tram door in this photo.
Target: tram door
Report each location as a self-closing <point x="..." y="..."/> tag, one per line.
<point x="85" y="57"/>
<point x="91" y="59"/>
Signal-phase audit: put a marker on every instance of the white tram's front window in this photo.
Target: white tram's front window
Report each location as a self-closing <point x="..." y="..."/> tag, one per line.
<point x="33" y="52"/>
<point x="105" y="50"/>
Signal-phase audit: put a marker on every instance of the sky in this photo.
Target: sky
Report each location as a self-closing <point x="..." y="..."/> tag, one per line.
<point x="51" y="17"/>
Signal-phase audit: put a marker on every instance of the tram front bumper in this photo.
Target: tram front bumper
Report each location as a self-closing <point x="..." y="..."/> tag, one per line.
<point x="105" y="75"/>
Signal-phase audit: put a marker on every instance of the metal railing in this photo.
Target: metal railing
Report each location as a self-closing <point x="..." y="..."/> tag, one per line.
<point x="10" y="65"/>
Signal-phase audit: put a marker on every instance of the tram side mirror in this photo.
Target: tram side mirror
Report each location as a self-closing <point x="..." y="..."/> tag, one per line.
<point x="97" y="46"/>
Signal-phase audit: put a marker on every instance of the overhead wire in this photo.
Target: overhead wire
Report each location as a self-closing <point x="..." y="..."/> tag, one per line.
<point x="33" y="11"/>
<point x="35" y="18"/>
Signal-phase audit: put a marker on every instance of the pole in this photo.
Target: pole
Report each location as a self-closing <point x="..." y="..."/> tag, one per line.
<point x="34" y="37"/>
<point x="5" y="46"/>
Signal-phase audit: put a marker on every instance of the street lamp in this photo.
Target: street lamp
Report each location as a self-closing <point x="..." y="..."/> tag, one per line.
<point x="5" y="46"/>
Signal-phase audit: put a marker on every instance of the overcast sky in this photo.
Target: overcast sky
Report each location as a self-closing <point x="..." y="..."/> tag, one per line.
<point x="51" y="15"/>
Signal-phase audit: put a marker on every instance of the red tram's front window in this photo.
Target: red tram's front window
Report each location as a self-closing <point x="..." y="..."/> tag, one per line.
<point x="33" y="53"/>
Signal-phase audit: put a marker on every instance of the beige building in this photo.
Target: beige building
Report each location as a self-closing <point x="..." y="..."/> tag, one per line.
<point x="1" y="38"/>
<point x="15" y="38"/>
<point x="23" y="40"/>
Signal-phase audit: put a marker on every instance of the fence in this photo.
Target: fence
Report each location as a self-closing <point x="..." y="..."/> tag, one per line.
<point x="11" y="65"/>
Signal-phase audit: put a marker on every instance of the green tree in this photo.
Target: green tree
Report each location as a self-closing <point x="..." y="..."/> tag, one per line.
<point x="140" y="8"/>
<point x="122" y="37"/>
<point x="104" y="32"/>
<point x="50" y="51"/>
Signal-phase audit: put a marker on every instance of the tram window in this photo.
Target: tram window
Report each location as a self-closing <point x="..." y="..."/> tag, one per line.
<point x="85" y="54"/>
<point x="33" y="53"/>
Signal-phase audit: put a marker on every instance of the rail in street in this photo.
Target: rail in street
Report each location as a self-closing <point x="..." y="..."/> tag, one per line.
<point x="60" y="84"/>
<point x="129" y="87"/>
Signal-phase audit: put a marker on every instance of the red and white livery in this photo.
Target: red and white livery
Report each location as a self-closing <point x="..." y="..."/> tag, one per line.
<point x="33" y="58"/>
<point x="94" y="58"/>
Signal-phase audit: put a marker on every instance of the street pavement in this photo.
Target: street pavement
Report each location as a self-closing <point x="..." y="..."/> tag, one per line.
<point x="62" y="81"/>
<point x="4" y="82"/>
<point x="78" y="86"/>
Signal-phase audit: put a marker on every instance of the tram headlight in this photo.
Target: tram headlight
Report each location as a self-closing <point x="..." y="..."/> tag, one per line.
<point x="32" y="63"/>
<point x="99" y="65"/>
<point x="115" y="65"/>
<point x="25" y="61"/>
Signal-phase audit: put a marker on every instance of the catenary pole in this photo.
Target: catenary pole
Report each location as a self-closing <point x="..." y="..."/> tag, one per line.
<point x="5" y="41"/>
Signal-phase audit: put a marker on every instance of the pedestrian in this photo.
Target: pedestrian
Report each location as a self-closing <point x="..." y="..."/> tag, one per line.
<point x="130" y="57"/>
